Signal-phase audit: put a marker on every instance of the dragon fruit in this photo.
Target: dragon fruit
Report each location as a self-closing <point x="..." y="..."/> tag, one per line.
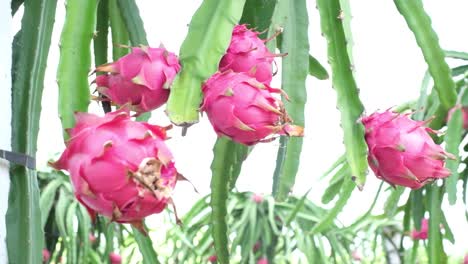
<point x="263" y="260"/>
<point x="45" y="255"/>
<point x="248" y="53"/>
<point x="212" y="258"/>
<point x="423" y="232"/>
<point x="115" y="258"/>
<point x="119" y="167"/>
<point x="257" y="198"/>
<point x="141" y="78"/>
<point x="242" y="108"/>
<point x="401" y="152"/>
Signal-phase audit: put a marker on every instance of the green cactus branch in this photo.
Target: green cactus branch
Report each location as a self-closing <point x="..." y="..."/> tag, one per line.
<point x="75" y="60"/>
<point x="100" y="42"/>
<point x="24" y="236"/>
<point x="420" y="24"/>
<point x="219" y="195"/>
<point x="292" y="17"/>
<point x="453" y="138"/>
<point x="130" y="15"/>
<point x="349" y="104"/>
<point x="119" y="31"/>
<point x="133" y="22"/>
<point x="207" y="40"/>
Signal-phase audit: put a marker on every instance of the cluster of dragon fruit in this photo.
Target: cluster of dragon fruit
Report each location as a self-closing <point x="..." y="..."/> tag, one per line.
<point x="122" y="168"/>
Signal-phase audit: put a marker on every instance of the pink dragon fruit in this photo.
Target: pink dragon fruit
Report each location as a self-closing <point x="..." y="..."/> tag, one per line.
<point x="45" y="255"/>
<point x="401" y="152"/>
<point x="119" y="168"/>
<point x="242" y="108"/>
<point x="263" y="260"/>
<point x="465" y="260"/>
<point x="464" y="115"/>
<point x="91" y="238"/>
<point x="212" y="259"/>
<point x="257" y="198"/>
<point x="115" y="258"/>
<point x="141" y="78"/>
<point x="421" y="234"/>
<point x="248" y="53"/>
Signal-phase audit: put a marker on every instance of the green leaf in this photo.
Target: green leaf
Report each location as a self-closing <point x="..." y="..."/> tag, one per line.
<point x="24" y="236"/>
<point x="456" y="54"/>
<point x="418" y="207"/>
<point x="119" y="31"/>
<point x="335" y="184"/>
<point x="344" y="83"/>
<point x="72" y="242"/>
<point x="63" y="203"/>
<point x="75" y="60"/>
<point x="327" y="220"/>
<point x="109" y="233"/>
<point x="436" y="253"/>
<point x="423" y="98"/>
<point x="420" y="24"/>
<point x="207" y="40"/>
<point x="292" y="17"/>
<point x="391" y="204"/>
<point x="48" y="198"/>
<point x="84" y="222"/>
<point x="452" y="139"/>
<point x="316" y="69"/>
<point x="219" y="195"/>
<point x="145" y="245"/>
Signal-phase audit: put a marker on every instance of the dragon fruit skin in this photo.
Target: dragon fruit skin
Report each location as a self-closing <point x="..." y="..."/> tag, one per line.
<point x="115" y="258"/>
<point x="141" y="78"/>
<point x="401" y="152"/>
<point x="263" y="260"/>
<point x="119" y="168"/>
<point x="240" y="107"/>
<point x="248" y="53"/>
<point x="421" y="234"/>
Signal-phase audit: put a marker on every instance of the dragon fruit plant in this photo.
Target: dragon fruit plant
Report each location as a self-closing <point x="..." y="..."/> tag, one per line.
<point x="119" y="168"/>
<point x="248" y="53"/>
<point x="244" y="109"/>
<point x="141" y="78"/>
<point x="401" y="152"/>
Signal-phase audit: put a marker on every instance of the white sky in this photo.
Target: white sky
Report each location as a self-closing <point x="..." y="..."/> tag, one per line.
<point x="389" y="70"/>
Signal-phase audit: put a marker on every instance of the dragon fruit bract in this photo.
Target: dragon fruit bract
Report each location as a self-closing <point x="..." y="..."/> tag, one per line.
<point x="401" y="152"/>
<point x="248" y="53"/>
<point x="119" y="168"/>
<point x="141" y="78"/>
<point x="244" y="109"/>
